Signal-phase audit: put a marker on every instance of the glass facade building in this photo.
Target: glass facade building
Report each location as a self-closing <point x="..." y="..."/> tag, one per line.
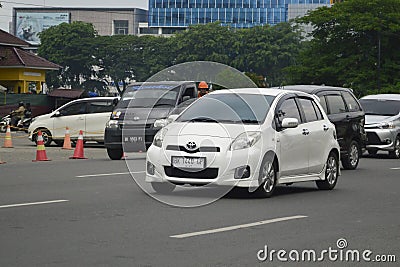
<point x="236" y="13"/>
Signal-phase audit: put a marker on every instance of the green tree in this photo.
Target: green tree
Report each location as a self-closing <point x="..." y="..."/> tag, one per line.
<point x="69" y="45"/>
<point x="354" y="43"/>
<point x="209" y="42"/>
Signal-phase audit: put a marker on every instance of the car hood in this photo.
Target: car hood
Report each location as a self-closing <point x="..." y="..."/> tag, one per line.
<point x="143" y="114"/>
<point x="376" y="119"/>
<point x="209" y="129"/>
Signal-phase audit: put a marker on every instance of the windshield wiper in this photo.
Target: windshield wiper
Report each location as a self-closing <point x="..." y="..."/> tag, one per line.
<point x="161" y="104"/>
<point x="250" y="121"/>
<point x="203" y="119"/>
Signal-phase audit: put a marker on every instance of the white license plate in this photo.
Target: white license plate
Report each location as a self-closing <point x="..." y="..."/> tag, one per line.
<point x="188" y="162"/>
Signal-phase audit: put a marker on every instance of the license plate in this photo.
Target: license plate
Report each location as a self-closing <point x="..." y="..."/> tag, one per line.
<point x="188" y="162"/>
<point x="133" y="139"/>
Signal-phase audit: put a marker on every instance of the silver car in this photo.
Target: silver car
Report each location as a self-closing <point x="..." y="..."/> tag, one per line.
<point x="382" y="123"/>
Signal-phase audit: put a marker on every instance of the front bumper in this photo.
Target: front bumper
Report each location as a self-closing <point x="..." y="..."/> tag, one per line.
<point x="221" y="165"/>
<point x="381" y="139"/>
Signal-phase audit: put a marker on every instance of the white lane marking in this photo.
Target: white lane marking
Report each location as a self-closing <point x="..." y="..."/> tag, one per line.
<point x="106" y="174"/>
<point x="235" y="227"/>
<point x="33" y="203"/>
<point x="398" y="168"/>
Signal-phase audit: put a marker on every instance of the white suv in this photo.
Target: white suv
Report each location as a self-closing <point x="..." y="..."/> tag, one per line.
<point x="255" y="138"/>
<point x="88" y="114"/>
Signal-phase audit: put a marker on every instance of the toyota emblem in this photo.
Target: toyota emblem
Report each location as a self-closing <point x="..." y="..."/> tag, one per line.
<point x="191" y="146"/>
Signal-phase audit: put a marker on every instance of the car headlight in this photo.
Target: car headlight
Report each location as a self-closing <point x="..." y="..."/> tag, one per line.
<point x="386" y="125"/>
<point x="245" y="140"/>
<point x="159" y="137"/>
<point x="115" y="115"/>
<point x="112" y="124"/>
<point x="161" y="123"/>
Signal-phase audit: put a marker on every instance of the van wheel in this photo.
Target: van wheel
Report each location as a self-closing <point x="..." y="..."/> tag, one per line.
<point x="350" y="162"/>
<point x="115" y="153"/>
<point x="396" y="152"/>
<point x="268" y="176"/>
<point x="163" y="188"/>
<point x="331" y="173"/>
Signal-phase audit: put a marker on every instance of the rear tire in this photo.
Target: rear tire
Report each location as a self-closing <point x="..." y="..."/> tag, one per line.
<point x="350" y="162"/>
<point x="331" y="173"/>
<point x="3" y="128"/>
<point x="395" y="154"/>
<point x="163" y="188"/>
<point x="115" y="153"/>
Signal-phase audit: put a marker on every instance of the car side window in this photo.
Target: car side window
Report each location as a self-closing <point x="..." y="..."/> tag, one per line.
<point x="317" y="111"/>
<point x="336" y="104"/>
<point x="351" y="102"/>
<point x="101" y="106"/>
<point x="288" y="109"/>
<point x="323" y="103"/>
<point x="308" y="109"/>
<point x="74" y="109"/>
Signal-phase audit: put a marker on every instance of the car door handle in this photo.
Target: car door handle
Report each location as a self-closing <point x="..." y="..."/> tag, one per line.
<point x="326" y="128"/>
<point x="306" y="132"/>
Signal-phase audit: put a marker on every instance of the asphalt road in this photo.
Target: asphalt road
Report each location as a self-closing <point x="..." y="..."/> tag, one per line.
<point x="92" y="213"/>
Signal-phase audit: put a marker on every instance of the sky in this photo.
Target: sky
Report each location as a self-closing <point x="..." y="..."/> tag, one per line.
<point x="6" y="10"/>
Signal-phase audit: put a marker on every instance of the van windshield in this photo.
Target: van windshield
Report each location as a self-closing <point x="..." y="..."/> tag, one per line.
<point x="381" y="107"/>
<point x="149" y="96"/>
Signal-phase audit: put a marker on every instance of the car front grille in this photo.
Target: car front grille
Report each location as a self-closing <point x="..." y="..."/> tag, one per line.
<point x="200" y="149"/>
<point x="373" y="139"/>
<point x="208" y="173"/>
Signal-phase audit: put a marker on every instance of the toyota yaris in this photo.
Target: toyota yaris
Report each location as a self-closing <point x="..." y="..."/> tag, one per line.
<point x="256" y="138"/>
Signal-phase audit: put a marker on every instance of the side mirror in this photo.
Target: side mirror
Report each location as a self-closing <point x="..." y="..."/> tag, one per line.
<point x="115" y="101"/>
<point x="172" y="117"/>
<point x="56" y="114"/>
<point x="289" y="123"/>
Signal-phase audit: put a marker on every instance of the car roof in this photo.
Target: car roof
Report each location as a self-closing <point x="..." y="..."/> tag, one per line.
<point x="383" y="97"/>
<point x="264" y="91"/>
<point x="160" y="83"/>
<point x="312" y="89"/>
<point x="96" y="98"/>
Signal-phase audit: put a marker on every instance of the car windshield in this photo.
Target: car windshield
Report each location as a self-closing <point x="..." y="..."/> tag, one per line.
<point x="229" y="108"/>
<point x="380" y="107"/>
<point x="149" y="96"/>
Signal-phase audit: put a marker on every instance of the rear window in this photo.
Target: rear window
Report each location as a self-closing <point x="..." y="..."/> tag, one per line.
<point x="101" y="106"/>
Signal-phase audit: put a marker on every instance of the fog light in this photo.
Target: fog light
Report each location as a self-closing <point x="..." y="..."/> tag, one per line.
<point x="150" y="168"/>
<point x="242" y="172"/>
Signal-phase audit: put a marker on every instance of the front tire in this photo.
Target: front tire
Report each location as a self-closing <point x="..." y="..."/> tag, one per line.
<point x="396" y="152"/>
<point x="115" y="153"/>
<point x="331" y="173"/>
<point x="3" y="128"/>
<point x="163" y="188"/>
<point x="350" y="162"/>
<point x="46" y="135"/>
<point x="267" y="176"/>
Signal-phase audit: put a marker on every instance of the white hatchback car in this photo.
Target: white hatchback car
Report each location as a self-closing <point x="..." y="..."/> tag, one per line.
<point x="87" y="114"/>
<point x="255" y="138"/>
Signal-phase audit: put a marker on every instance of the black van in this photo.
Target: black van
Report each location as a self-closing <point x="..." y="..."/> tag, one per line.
<point x="343" y="110"/>
<point x="143" y="110"/>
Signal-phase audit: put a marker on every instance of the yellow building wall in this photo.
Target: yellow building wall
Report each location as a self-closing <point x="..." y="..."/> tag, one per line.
<point x="19" y="79"/>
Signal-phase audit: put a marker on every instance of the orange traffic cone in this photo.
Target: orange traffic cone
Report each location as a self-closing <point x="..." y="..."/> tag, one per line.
<point x="7" y="140"/>
<point x="78" y="152"/>
<point x="41" y="150"/>
<point x="67" y="140"/>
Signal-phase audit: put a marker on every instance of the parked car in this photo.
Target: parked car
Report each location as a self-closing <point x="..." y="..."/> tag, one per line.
<point x="382" y="123"/>
<point x="141" y="112"/>
<point x="88" y="114"/>
<point x="345" y="111"/>
<point x="253" y="138"/>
